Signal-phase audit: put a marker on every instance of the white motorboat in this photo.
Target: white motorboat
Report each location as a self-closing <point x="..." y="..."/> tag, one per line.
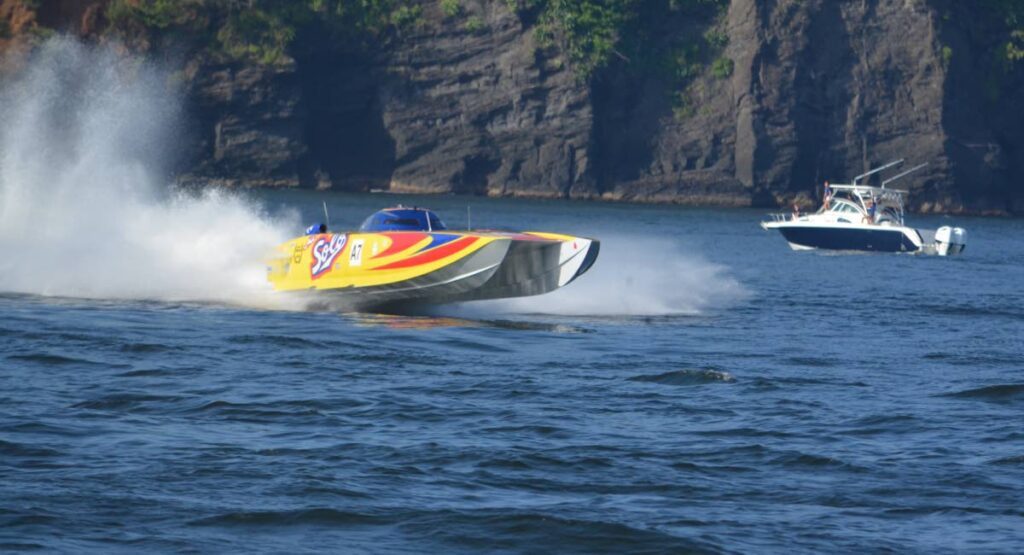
<point x="858" y="217"/>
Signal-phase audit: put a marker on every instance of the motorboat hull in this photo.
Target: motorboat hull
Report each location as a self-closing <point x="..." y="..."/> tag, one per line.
<point x="376" y="269"/>
<point x="871" y="238"/>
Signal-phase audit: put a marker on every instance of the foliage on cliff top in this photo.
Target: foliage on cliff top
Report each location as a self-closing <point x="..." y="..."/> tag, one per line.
<point x="1012" y="14"/>
<point x="265" y="31"/>
<point x="589" y="29"/>
<point x="590" y="33"/>
<point x="593" y="32"/>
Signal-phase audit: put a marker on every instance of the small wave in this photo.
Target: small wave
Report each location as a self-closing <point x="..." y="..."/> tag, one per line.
<point x="51" y="359"/>
<point x="745" y="432"/>
<point x="291" y="403"/>
<point x="995" y="310"/>
<point x="321" y="516"/>
<point x="521" y="430"/>
<point x="974" y="359"/>
<point x="797" y="459"/>
<point x="1002" y="393"/>
<point x="11" y="449"/>
<point x="711" y="469"/>
<point x="14" y="546"/>
<point x="554" y="463"/>
<point x="812" y="361"/>
<point x="145" y="373"/>
<point x="37" y="427"/>
<point x="1015" y="459"/>
<point x="262" y="412"/>
<point x="884" y="419"/>
<point x="878" y="424"/>
<point x="776" y="383"/>
<point x="287" y="341"/>
<point x="125" y="401"/>
<point x="504" y="530"/>
<point x="145" y="348"/>
<point x="686" y="377"/>
<point x="31" y="520"/>
<point x="53" y="336"/>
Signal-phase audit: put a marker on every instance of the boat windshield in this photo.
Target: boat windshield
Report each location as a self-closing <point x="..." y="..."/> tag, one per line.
<point x="888" y="213"/>
<point x="403" y="219"/>
<point x="843" y="206"/>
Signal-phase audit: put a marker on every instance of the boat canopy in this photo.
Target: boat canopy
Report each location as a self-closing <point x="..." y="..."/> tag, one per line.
<point x="402" y="218"/>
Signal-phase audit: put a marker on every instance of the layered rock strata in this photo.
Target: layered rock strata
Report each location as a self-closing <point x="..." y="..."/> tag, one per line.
<point x="806" y="91"/>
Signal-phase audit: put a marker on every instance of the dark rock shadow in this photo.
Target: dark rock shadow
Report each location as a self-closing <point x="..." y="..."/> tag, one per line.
<point x="350" y="149"/>
<point x="644" y="114"/>
<point x="982" y="112"/>
<point x="823" y="91"/>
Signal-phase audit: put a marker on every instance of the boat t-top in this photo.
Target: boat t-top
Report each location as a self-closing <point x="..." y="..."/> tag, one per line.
<point x="859" y="217"/>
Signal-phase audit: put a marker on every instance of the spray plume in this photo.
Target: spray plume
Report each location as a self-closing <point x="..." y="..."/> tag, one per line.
<point x="84" y="211"/>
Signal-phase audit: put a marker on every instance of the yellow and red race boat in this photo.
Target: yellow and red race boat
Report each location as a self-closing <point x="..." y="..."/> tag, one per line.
<point x="406" y="254"/>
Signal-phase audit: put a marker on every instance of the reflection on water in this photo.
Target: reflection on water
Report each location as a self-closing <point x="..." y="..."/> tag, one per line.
<point x="411" y="320"/>
<point x="408" y="322"/>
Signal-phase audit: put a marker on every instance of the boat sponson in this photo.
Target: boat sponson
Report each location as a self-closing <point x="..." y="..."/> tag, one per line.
<point x="532" y="268"/>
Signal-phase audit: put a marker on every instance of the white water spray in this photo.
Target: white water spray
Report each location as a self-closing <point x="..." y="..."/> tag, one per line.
<point x="83" y="210"/>
<point x="633" y="276"/>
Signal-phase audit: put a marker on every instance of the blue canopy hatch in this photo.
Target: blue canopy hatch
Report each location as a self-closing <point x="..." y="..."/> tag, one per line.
<point x="403" y="218"/>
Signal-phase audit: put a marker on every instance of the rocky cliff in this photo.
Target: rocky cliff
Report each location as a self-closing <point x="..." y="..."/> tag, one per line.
<point x="764" y="101"/>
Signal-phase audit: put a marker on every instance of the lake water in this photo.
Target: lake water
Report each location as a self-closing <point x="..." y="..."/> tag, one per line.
<point x="703" y="388"/>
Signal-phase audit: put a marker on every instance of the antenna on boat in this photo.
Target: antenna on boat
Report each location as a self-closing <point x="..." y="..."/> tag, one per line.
<point x="878" y="169"/>
<point x="904" y="174"/>
<point x="327" y="217"/>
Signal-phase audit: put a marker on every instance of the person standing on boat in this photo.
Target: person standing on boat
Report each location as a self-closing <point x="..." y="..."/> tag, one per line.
<point x="827" y="196"/>
<point x="872" y="208"/>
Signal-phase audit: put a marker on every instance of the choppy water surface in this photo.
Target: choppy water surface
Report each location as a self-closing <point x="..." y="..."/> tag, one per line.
<point x="703" y="388"/>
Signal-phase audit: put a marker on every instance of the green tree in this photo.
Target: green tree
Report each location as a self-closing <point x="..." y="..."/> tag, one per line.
<point x="451" y="8"/>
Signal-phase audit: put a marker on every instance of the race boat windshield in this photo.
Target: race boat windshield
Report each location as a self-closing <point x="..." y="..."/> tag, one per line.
<point x="403" y="219"/>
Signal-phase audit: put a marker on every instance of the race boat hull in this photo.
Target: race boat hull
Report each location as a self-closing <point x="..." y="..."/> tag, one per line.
<point x="537" y="267"/>
<point x="873" y="238"/>
<point x="376" y="269"/>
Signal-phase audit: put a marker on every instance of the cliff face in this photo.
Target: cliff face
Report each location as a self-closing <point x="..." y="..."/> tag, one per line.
<point x="454" y="108"/>
<point x="447" y="108"/>
<point x="249" y="125"/>
<point x="820" y="90"/>
<point x="802" y="91"/>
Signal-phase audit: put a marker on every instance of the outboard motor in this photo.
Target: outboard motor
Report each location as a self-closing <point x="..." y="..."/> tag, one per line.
<point x="950" y="240"/>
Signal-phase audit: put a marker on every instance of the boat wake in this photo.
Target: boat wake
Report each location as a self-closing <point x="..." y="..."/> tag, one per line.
<point x="636" y="276"/>
<point x="84" y="209"/>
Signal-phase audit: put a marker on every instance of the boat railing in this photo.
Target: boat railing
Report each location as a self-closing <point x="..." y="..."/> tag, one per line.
<point x="781" y="217"/>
